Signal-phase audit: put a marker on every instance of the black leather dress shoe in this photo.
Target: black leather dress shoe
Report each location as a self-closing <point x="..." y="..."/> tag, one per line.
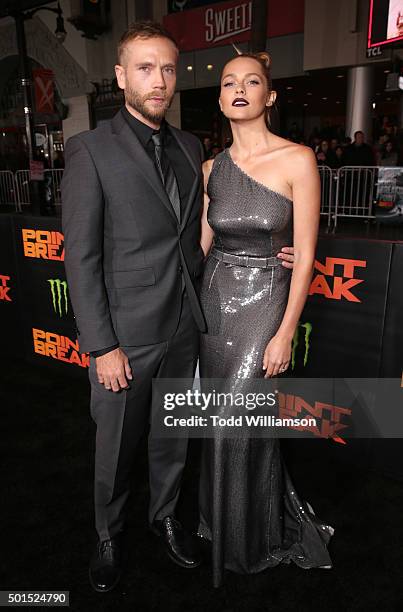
<point x="180" y="546"/>
<point x="105" y="566"/>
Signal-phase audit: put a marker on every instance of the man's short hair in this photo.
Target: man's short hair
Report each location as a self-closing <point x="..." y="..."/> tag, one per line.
<point x="358" y="132"/>
<point x="144" y="30"/>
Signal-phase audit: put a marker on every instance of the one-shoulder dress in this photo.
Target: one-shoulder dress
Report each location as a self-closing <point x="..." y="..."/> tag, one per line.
<point x="249" y="508"/>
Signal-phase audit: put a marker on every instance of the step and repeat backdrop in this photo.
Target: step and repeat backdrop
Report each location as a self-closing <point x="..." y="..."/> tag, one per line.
<point x="10" y="303"/>
<point x="351" y="326"/>
<point x="36" y="310"/>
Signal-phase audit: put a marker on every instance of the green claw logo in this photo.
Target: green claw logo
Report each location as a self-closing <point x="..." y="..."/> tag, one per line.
<point x="295" y="341"/>
<point x="59" y="295"/>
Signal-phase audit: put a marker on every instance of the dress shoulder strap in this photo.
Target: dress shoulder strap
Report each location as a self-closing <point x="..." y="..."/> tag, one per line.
<point x="219" y="158"/>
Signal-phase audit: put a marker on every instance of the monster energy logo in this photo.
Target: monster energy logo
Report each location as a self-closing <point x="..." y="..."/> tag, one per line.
<point x="59" y="295"/>
<point x="295" y="341"/>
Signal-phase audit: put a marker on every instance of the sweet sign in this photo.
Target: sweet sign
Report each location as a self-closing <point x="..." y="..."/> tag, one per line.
<point x="229" y="22"/>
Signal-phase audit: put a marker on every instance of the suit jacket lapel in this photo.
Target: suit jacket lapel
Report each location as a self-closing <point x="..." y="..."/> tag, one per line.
<point x="194" y="162"/>
<point x="135" y="150"/>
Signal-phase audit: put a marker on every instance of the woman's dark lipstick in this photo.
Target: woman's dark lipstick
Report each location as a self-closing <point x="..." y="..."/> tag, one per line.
<point x="240" y="102"/>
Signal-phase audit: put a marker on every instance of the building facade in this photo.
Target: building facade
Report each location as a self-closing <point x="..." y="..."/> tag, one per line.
<point x="321" y="67"/>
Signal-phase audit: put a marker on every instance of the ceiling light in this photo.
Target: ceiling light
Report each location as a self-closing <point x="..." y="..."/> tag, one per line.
<point x="189" y="68"/>
<point x="210" y="66"/>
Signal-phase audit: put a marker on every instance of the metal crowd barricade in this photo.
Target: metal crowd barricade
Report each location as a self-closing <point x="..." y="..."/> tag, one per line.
<point x="54" y="177"/>
<point x="8" y="190"/>
<point x="22" y="183"/>
<point x="326" y="194"/>
<point x="355" y="192"/>
<point x="350" y="191"/>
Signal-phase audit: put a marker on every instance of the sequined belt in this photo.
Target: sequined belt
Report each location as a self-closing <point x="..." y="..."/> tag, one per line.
<point x="245" y="260"/>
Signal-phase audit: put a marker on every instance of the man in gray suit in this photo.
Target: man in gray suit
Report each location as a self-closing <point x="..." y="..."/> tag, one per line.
<point x="132" y="194"/>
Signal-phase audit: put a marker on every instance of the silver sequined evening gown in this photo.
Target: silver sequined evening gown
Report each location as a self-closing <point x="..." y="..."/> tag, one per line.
<point x="248" y="506"/>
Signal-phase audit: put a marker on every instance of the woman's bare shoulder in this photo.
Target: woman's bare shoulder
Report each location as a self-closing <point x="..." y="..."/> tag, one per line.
<point x="288" y="147"/>
<point x="303" y="156"/>
<point x="297" y="157"/>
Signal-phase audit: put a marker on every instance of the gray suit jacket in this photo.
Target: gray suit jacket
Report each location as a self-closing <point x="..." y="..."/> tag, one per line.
<point x="125" y="251"/>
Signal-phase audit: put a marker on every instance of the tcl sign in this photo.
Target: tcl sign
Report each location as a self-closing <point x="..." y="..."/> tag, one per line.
<point x="337" y="278"/>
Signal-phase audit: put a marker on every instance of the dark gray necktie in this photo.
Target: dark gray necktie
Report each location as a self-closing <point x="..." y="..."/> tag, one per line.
<point x="167" y="175"/>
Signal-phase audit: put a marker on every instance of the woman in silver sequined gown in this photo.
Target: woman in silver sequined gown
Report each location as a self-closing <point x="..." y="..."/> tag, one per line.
<point x="248" y="506"/>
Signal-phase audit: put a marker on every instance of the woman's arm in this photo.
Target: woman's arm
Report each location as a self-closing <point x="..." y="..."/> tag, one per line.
<point x="306" y="211"/>
<point x="207" y="233"/>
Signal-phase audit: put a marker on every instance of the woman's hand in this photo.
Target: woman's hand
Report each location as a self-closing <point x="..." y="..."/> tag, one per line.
<point x="277" y="356"/>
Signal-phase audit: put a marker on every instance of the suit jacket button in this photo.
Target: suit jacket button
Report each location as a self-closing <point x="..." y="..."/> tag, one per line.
<point x="180" y="269"/>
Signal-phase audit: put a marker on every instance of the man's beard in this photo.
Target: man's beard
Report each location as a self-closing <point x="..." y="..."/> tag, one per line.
<point x="138" y="102"/>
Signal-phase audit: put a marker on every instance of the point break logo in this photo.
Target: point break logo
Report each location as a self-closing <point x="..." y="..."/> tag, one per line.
<point x="59" y="347"/>
<point x="339" y="288"/>
<point x="4" y="288"/>
<point x="43" y="244"/>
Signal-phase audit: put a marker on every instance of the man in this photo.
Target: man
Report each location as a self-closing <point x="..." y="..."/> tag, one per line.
<point x="331" y="156"/>
<point x="359" y="153"/>
<point x="132" y="195"/>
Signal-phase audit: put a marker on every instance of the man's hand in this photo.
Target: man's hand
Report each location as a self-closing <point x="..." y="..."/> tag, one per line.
<point x="287" y="255"/>
<point x="113" y="369"/>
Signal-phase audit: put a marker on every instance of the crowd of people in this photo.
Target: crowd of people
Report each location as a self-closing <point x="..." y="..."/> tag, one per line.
<point x="334" y="149"/>
<point x="335" y="154"/>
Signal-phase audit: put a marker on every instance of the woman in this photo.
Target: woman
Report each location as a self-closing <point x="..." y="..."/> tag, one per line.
<point x="259" y="194"/>
<point x="388" y="155"/>
<point x="339" y="155"/>
<point x="322" y="154"/>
